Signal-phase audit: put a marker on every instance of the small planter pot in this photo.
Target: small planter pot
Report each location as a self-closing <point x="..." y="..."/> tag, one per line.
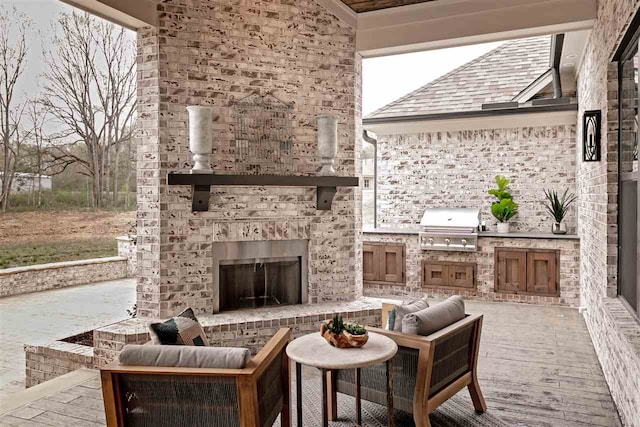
<point x="559" y="228"/>
<point x="503" y="227"/>
<point x="343" y="340"/>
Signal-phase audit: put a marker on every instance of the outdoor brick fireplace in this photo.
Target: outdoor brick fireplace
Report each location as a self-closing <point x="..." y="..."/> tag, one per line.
<point x="178" y="265"/>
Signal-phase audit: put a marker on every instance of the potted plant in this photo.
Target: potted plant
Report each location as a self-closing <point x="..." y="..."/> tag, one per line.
<point x="356" y="335"/>
<point x="343" y="335"/>
<point x="504" y="208"/>
<point x="558" y="206"/>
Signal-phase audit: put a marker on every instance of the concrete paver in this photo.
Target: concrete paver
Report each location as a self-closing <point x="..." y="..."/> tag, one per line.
<point x="43" y="317"/>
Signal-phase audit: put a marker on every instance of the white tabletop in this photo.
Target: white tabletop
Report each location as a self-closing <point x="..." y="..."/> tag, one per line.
<point x="314" y="350"/>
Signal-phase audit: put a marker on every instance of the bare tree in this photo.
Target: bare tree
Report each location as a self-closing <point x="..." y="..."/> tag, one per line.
<point x="12" y="65"/>
<point x="90" y="91"/>
<point x="38" y="141"/>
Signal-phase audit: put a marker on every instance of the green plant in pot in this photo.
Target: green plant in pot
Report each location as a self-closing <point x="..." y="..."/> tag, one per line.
<point x="558" y="206"/>
<point x="504" y="208"/>
<point x="343" y="335"/>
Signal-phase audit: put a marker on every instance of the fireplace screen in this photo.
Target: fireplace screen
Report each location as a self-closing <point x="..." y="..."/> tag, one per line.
<point x="260" y="283"/>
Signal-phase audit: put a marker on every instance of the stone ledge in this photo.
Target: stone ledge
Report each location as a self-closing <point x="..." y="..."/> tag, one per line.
<point x="43" y="277"/>
<point x="300" y="313"/>
<point x="59" y="265"/>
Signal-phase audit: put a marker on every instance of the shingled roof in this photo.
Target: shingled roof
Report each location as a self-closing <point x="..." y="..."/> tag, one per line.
<point x="497" y="76"/>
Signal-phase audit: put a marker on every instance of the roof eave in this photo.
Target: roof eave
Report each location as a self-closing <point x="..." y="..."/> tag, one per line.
<point x="528" y="109"/>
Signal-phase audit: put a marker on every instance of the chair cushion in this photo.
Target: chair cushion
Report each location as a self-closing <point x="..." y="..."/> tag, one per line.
<point x="400" y="311"/>
<point x="434" y="318"/>
<point x="184" y="356"/>
<point x="183" y="329"/>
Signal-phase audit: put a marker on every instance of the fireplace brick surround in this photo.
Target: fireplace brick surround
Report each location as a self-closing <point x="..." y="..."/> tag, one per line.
<point x="212" y="53"/>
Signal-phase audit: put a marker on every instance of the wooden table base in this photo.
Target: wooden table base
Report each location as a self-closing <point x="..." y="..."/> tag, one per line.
<point x="358" y="397"/>
<point x="392" y="421"/>
<point x="299" y="393"/>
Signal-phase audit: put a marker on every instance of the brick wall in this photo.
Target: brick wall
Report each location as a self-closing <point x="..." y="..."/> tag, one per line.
<point x="127" y="249"/>
<point x="484" y="260"/>
<point x="42" y="277"/>
<point x="212" y="53"/>
<point x="416" y="171"/>
<point x="615" y="334"/>
<point x="46" y="362"/>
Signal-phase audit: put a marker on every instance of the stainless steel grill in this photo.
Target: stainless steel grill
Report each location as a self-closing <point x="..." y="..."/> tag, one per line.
<point x="453" y="229"/>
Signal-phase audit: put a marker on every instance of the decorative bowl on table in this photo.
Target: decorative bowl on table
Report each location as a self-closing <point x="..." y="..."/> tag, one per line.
<point x="343" y="335"/>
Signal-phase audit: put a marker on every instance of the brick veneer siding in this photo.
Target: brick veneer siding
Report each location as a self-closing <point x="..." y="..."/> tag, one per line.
<point x="615" y="334"/>
<point x="127" y="249"/>
<point x="212" y="53"/>
<point x="455" y="169"/>
<point x="484" y="260"/>
<point x="42" y="277"/>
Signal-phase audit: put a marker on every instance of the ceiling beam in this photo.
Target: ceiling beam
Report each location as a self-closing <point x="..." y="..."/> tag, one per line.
<point x="130" y="14"/>
<point x="449" y="23"/>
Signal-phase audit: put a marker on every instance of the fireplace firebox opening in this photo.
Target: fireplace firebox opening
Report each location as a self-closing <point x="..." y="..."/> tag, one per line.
<point x="249" y="275"/>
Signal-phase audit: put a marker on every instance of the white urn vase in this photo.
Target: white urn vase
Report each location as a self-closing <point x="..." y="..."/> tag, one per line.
<point x="503" y="227"/>
<point x="200" y="137"/>
<point x="327" y="143"/>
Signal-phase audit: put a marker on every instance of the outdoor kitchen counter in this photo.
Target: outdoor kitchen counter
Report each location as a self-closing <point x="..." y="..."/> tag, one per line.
<point x="513" y="235"/>
<point x="567" y="246"/>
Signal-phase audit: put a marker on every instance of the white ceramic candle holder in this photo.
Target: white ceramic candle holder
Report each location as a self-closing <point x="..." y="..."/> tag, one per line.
<point x="200" y="137"/>
<point x="327" y="143"/>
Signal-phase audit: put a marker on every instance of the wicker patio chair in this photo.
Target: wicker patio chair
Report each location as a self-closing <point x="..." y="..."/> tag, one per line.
<point x="157" y="396"/>
<point x="427" y="370"/>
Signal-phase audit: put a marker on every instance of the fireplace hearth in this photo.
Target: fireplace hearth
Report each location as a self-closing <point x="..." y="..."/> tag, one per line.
<point x="249" y="275"/>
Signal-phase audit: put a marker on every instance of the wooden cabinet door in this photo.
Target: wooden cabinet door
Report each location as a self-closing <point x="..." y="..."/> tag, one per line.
<point x="435" y="274"/>
<point x="511" y="270"/>
<point x="392" y="263"/>
<point x="461" y="276"/>
<point x="542" y="272"/>
<point x="370" y="262"/>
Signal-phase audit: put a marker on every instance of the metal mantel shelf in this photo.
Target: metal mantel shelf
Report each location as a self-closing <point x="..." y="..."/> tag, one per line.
<point x="326" y="186"/>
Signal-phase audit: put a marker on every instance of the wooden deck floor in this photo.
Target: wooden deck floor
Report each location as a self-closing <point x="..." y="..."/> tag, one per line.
<point x="537" y="368"/>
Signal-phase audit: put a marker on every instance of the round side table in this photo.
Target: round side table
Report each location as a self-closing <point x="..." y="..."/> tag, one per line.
<point x="313" y="350"/>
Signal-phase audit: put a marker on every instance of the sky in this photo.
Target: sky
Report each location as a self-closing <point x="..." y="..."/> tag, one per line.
<point x="43" y="14"/>
<point x="384" y="79"/>
<point x="388" y="78"/>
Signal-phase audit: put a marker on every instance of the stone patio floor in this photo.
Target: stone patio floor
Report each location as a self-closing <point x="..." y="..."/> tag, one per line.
<point x="43" y="317"/>
<point x="537" y="368"/>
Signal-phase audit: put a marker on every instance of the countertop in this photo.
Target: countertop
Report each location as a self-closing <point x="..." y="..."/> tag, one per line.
<point x="512" y="235"/>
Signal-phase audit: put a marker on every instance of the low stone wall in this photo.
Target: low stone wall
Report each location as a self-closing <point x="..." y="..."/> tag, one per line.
<point x="484" y="260"/>
<point x="45" y="362"/>
<point x="249" y="329"/>
<point x="42" y="277"/>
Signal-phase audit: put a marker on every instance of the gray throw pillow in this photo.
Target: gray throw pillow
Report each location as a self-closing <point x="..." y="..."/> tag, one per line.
<point x="400" y="311"/>
<point x="184" y="356"/>
<point x="434" y="318"/>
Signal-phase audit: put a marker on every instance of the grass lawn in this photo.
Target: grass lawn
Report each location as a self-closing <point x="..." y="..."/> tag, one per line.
<point x="68" y="250"/>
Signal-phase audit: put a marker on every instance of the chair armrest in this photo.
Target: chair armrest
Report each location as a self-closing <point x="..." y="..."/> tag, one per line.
<point x="417" y="342"/>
